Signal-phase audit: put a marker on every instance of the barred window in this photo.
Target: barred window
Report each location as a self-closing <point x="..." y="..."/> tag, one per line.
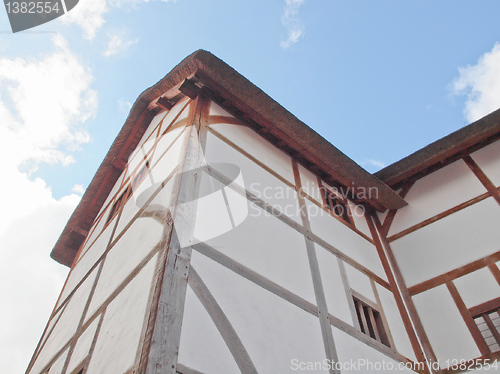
<point x="370" y="322"/>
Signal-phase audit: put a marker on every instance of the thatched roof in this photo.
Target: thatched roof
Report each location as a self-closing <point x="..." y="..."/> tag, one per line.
<point x="202" y="70"/>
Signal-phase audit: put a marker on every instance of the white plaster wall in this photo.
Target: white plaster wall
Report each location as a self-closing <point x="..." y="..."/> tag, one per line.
<point x="449" y="243"/>
<point x="66" y="326"/>
<point x="184" y="106"/>
<point x="488" y="159"/>
<point x="113" y="192"/>
<point x="271" y="248"/>
<point x="254" y="178"/>
<point x="159" y="172"/>
<point x="310" y="184"/>
<point x="202" y="347"/>
<point x="151" y="128"/>
<point x="124" y="257"/>
<point x="344" y="239"/>
<point x="436" y="193"/>
<point x="165" y="142"/>
<point x="82" y="347"/>
<point x="118" y="341"/>
<point x="97" y="229"/>
<point x="219" y="209"/>
<point x="358" y="215"/>
<point x="357" y="357"/>
<point x="444" y="326"/>
<point x="163" y="120"/>
<point x="273" y="331"/>
<point x="85" y="263"/>
<point x="395" y="322"/>
<point x="258" y="147"/>
<point x="216" y="110"/>
<point x="477" y="287"/>
<point x="51" y="324"/>
<point x="58" y="365"/>
<point x="360" y="283"/>
<point x="335" y="293"/>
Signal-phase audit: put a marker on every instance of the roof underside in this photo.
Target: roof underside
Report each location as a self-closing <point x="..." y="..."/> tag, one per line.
<point x="202" y="71"/>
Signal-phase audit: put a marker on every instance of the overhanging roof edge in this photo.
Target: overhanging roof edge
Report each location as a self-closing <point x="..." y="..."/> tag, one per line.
<point x="219" y="76"/>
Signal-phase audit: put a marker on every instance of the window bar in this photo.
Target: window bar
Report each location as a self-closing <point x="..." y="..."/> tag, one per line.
<point x="374" y="324"/>
<point x="361" y="312"/>
<point x="491" y="326"/>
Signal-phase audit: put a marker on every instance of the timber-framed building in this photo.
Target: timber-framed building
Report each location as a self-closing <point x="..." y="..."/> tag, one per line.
<point x="223" y="235"/>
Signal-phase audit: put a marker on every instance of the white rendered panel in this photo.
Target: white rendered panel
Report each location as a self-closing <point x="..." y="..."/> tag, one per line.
<point x="477" y="287"/>
<point x="271" y="248"/>
<point x="137" y="242"/>
<point x="202" y="347"/>
<point x="66" y="326"/>
<point x="382" y="216"/>
<point x="82" y="347"/>
<point x="310" y="184"/>
<point x="113" y="192"/>
<point x="164" y="163"/>
<point x="86" y="262"/>
<point x="488" y="159"/>
<point x="166" y="141"/>
<point x="254" y="178"/>
<point x="216" y="110"/>
<point x="360" y="283"/>
<point x="344" y="239"/>
<point x="51" y="324"/>
<point x="436" y="193"/>
<point x="358" y="215"/>
<point x="335" y="293"/>
<point x="449" y="243"/>
<point x="357" y="357"/>
<point x="395" y="322"/>
<point x="444" y="325"/>
<point x="151" y="128"/>
<point x="159" y="172"/>
<point x="258" y="147"/>
<point x="99" y="227"/>
<point x="118" y="341"/>
<point x="173" y="115"/>
<point x="273" y="331"/>
<point x="58" y="366"/>
<point x="219" y="209"/>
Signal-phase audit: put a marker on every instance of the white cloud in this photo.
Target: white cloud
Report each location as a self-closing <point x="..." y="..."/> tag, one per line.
<point x="124" y="106"/>
<point x="372" y="165"/>
<point x="78" y="189"/>
<point x="43" y="104"/>
<point x="481" y="84"/>
<point x="89" y="14"/>
<point x="117" y="44"/>
<point x="292" y="22"/>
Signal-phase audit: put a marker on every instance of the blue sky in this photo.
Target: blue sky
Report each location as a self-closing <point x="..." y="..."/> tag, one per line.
<point x="379" y="80"/>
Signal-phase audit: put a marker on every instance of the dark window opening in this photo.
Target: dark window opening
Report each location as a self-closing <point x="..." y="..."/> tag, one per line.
<point x="338" y="207"/>
<point x="119" y="203"/>
<point x="370" y="322"/>
<point x="122" y="200"/>
<point x="140" y="176"/>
